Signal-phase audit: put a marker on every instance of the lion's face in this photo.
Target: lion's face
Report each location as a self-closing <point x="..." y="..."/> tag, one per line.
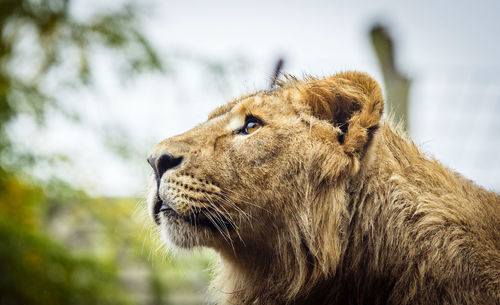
<point x="249" y="171"/>
<point x="223" y="177"/>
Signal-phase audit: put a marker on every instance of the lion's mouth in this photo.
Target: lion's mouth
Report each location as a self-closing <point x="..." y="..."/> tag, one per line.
<point x="163" y="208"/>
<point x="200" y="218"/>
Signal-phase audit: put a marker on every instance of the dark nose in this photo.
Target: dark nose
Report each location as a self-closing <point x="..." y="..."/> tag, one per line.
<point x="163" y="163"/>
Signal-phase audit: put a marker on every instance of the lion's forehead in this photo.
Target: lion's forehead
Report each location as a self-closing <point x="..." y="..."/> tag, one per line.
<point x="263" y="105"/>
<point x="273" y="108"/>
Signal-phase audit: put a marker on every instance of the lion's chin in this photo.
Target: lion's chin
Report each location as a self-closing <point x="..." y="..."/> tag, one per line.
<point x="181" y="234"/>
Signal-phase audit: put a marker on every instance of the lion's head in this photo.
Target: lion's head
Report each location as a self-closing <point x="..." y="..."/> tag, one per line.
<point x="263" y="180"/>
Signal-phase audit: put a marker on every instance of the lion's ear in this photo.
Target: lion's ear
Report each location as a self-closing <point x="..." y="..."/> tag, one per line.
<point x="351" y="101"/>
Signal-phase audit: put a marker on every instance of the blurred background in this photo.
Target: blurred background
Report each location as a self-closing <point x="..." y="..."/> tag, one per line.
<point x="87" y="88"/>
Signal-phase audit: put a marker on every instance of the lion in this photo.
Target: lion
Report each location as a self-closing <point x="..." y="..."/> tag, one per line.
<point x="310" y="196"/>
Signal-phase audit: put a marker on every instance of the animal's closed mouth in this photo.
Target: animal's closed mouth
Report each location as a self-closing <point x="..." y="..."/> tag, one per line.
<point x="162" y="207"/>
<point x="198" y="218"/>
<point x="158" y="208"/>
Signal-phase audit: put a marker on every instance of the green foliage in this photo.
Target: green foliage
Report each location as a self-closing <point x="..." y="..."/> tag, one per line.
<point x="20" y="203"/>
<point x="35" y="270"/>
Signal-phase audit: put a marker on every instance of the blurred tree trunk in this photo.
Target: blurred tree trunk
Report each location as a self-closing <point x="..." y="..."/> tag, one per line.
<point x="396" y="84"/>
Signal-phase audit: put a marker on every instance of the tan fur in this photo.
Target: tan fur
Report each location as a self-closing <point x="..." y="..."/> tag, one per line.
<point x="328" y="203"/>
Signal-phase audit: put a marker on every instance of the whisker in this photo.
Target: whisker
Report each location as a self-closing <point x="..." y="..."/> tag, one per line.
<point x="227" y="216"/>
<point x="216" y="225"/>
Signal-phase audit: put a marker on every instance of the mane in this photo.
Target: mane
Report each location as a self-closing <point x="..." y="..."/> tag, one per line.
<point x="357" y="227"/>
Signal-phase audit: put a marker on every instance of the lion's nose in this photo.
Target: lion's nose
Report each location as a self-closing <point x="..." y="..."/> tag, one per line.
<point x="163" y="163"/>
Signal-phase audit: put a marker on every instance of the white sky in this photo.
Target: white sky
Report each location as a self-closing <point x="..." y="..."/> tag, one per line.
<point x="449" y="48"/>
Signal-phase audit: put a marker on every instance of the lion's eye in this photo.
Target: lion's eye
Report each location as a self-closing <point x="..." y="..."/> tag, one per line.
<point x="251" y="127"/>
<point x="252" y="124"/>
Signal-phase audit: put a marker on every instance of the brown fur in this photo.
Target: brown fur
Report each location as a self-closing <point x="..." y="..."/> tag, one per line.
<point x="328" y="203"/>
